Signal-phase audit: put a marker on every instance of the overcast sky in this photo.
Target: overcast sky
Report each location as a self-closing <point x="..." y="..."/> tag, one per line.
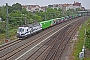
<point x="85" y="3"/>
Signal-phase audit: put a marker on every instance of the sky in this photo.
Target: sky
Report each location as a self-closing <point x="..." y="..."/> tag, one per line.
<point x="85" y="3"/>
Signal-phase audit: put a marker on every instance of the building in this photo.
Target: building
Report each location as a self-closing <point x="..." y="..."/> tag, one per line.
<point x="83" y="8"/>
<point x="43" y="8"/>
<point x="77" y="5"/>
<point x="72" y="6"/>
<point x="64" y="7"/>
<point x="33" y="8"/>
<point x="67" y="6"/>
<point x="57" y="6"/>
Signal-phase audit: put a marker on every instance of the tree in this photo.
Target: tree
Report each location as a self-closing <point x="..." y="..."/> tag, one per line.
<point x="88" y="34"/>
<point x="3" y="13"/>
<point x="87" y="42"/>
<point x="70" y="12"/>
<point x="60" y="9"/>
<point x="78" y="9"/>
<point x="17" y="6"/>
<point x="24" y="11"/>
<point x="37" y="18"/>
<point x="10" y="9"/>
<point x="55" y="8"/>
<point x="42" y="14"/>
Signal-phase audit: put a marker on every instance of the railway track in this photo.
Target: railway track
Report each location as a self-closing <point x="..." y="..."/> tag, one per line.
<point x="13" y="52"/>
<point x="51" y="42"/>
<point x="69" y="36"/>
<point x="33" y="53"/>
<point x="22" y="47"/>
<point x="27" y="44"/>
<point x="55" y="46"/>
<point x="10" y="44"/>
<point x="18" y="42"/>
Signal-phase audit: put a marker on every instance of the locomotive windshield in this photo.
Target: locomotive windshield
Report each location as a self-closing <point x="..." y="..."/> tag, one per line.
<point x="20" y="30"/>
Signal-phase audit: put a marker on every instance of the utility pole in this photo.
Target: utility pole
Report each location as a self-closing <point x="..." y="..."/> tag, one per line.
<point x="7" y="36"/>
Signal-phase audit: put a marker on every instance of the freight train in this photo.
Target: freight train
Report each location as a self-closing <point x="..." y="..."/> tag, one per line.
<point x="30" y="29"/>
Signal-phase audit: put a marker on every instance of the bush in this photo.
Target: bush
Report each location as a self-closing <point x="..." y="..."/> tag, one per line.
<point x="2" y="30"/>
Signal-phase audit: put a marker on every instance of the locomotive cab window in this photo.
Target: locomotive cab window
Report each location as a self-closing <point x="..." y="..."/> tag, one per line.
<point x="20" y="30"/>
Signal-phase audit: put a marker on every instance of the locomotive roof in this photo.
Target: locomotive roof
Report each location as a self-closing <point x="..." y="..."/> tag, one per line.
<point x="58" y="18"/>
<point x="34" y="24"/>
<point x="23" y="27"/>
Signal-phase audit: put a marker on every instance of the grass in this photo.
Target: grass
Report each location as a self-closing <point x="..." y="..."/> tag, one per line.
<point x="80" y="42"/>
<point x="2" y="36"/>
<point x="87" y="58"/>
<point x="12" y="36"/>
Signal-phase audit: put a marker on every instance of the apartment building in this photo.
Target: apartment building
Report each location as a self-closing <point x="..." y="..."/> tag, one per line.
<point x="33" y="8"/>
<point x="64" y="7"/>
<point x="67" y="6"/>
